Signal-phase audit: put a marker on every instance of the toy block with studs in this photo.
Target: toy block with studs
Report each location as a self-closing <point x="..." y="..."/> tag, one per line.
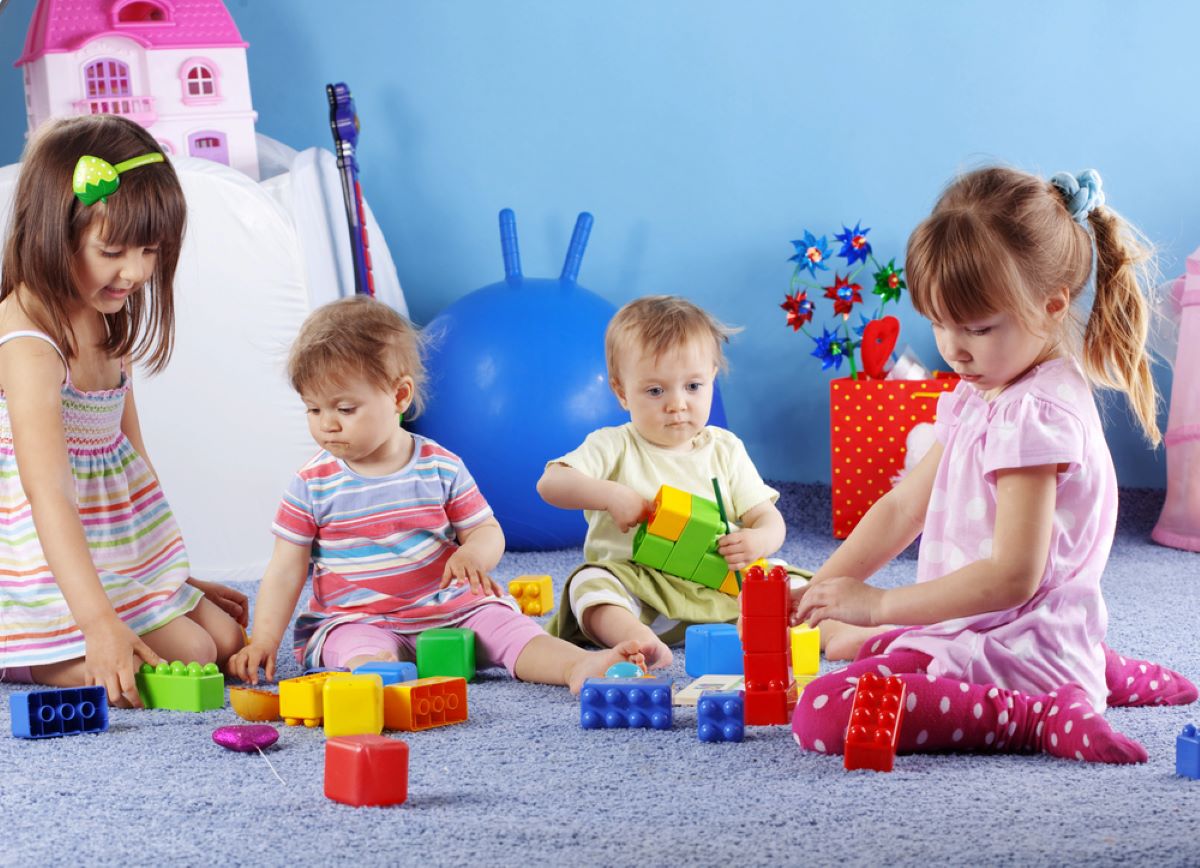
<point x="1187" y="753"/>
<point x="50" y="713"/>
<point x="365" y="770"/>
<point x="770" y="691"/>
<point x="534" y="594"/>
<point x="390" y="671"/>
<point x="446" y="651"/>
<point x="806" y="650"/>
<point x="302" y="699"/>
<point x="712" y="649"/>
<point x="353" y="705"/>
<point x="425" y="703"/>
<point x="180" y="686"/>
<point x="874" y="728"/>
<point x="620" y="703"/>
<point x="720" y="717"/>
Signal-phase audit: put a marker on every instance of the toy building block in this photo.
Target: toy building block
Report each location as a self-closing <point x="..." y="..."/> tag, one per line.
<point x="425" y="703"/>
<point x="671" y="513"/>
<point x="680" y="538"/>
<point x="770" y="691"/>
<point x="534" y="594"/>
<point x="302" y="700"/>
<point x="720" y="717"/>
<point x="448" y="651"/>
<point x="874" y="727"/>
<point x="250" y="704"/>
<point x="390" y="671"/>
<point x="49" y="713"/>
<point x="366" y="770"/>
<point x="712" y="649"/>
<point x="806" y="650"/>
<point x="1187" y="753"/>
<point x="353" y="705"/>
<point x="649" y="549"/>
<point x="181" y="687"/>
<point x="618" y="703"/>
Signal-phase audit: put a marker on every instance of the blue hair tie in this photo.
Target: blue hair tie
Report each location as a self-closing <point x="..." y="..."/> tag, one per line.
<point x="1081" y="193"/>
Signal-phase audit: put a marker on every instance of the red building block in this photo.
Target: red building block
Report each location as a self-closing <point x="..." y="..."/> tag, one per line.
<point x="366" y="770"/>
<point x="875" y="718"/>
<point x="765" y="594"/>
<point x="770" y="692"/>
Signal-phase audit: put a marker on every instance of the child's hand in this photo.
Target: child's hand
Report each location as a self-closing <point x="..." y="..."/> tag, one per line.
<point x="109" y="661"/>
<point x="840" y="598"/>
<point x="244" y="665"/>
<point x="627" y="508"/>
<point x="742" y="547"/>
<point x="233" y="603"/>
<point x="463" y="566"/>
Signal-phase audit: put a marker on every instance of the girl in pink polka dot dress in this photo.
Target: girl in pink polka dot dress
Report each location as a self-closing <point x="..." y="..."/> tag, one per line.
<point x="1016" y="503"/>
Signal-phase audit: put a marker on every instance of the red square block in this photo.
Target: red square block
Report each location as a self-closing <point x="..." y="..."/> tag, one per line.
<point x="875" y="718"/>
<point x="766" y="671"/>
<point x="768" y="707"/>
<point x="765" y="595"/>
<point x="366" y="770"/>
<point x="764" y="635"/>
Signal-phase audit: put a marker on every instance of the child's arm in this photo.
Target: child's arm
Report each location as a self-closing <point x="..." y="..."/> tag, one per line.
<point x="568" y="488"/>
<point x="479" y="550"/>
<point x="234" y="603"/>
<point x="33" y="376"/>
<point x="281" y="587"/>
<point x="1025" y="499"/>
<point x="761" y="535"/>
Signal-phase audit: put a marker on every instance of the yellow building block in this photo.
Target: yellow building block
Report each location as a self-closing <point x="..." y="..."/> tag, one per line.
<point x="427" y="702"/>
<point x="301" y="700"/>
<point x="803" y="681"/>
<point x="730" y="585"/>
<point x="672" y="509"/>
<point x="806" y="650"/>
<point x="534" y="594"/>
<point x="353" y="705"/>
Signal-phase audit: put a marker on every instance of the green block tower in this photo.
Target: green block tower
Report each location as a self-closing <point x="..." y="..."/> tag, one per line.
<point x="680" y="538"/>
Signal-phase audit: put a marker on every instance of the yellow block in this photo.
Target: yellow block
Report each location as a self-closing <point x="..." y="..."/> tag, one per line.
<point x="353" y="705"/>
<point x="806" y="650"/>
<point x="730" y="585"/>
<point x="534" y="594"/>
<point x="301" y="700"/>
<point x="672" y="509"/>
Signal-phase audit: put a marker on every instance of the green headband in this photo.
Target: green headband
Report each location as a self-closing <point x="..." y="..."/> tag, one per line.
<point x="96" y="179"/>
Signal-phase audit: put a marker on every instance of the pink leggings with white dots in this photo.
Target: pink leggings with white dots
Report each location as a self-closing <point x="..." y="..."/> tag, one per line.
<point x="943" y="714"/>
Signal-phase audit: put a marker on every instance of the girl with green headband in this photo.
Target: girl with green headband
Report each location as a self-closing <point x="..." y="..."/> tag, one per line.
<point x="93" y="571"/>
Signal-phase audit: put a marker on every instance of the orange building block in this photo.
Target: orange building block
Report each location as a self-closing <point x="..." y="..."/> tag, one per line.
<point x="425" y="703"/>
<point x="251" y="704"/>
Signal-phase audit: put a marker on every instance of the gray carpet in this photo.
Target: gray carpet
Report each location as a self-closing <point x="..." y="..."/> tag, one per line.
<point x="521" y="783"/>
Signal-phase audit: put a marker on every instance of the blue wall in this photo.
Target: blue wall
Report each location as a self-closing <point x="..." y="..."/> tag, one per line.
<point x="705" y="135"/>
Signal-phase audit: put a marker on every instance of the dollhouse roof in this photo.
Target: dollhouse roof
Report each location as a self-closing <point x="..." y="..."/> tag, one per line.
<point x="68" y="25"/>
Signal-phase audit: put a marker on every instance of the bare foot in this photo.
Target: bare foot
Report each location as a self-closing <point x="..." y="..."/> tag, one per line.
<point x="842" y="641"/>
<point x="595" y="663"/>
<point x="382" y="657"/>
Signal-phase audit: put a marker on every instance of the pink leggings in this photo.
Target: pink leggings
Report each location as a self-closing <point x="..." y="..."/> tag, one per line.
<point x="946" y="714"/>
<point x="500" y="636"/>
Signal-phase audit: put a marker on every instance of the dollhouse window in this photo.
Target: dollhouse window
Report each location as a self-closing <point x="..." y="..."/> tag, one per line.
<point x="106" y="78"/>
<point x="200" y="78"/>
<point x="141" y="12"/>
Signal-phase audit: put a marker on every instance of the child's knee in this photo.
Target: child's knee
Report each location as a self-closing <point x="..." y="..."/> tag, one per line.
<point x="195" y="645"/>
<point x="228" y="638"/>
<point x="819" y="721"/>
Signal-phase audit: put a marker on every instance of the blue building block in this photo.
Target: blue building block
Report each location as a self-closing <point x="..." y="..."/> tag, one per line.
<point x="1187" y="753"/>
<point x="392" y="672"/>
<point x="712" y="649"/>
<point x="618" y="703"/>
<point x="720" y="716"/>
<point x="48" y="713"/>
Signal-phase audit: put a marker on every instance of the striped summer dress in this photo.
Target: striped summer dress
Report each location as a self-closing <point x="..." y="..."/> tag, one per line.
<point x="135" y="542"/>
<point x="380" y="544"/>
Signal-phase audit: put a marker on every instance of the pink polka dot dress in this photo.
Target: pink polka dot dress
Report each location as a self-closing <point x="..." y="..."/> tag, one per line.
<point x="1047" y="417"/>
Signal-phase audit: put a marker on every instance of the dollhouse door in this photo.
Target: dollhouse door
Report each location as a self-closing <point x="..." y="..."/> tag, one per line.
<point x="209" y="145"/>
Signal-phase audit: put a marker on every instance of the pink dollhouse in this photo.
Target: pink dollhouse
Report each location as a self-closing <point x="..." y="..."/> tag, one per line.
<point x="177" y="67"/>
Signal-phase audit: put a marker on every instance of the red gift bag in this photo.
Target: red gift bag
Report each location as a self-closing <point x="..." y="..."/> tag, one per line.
<point x="869" y="421"/>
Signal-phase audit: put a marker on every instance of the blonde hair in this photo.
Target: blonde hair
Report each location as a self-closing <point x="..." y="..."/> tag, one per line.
<point x="358" y="337"/>
<point x="660" y="323"/>
<point x="49" y="224"/>
<point x="1001" y="241"/>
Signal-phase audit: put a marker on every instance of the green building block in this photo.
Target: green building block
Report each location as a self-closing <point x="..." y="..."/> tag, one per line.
<point x="698" y="537"/>
<point x="181" y="686"/>
<point x="448" y="651"/>
<point x="711" y="571"/>
<point x="649" y="549"/>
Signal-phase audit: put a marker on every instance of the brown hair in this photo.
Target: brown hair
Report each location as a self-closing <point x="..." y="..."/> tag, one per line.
<point x="358" y="337"/>
<point x="1001" y="240"/>
<point x="49" y="223"/>
<point x="659" y="323"/>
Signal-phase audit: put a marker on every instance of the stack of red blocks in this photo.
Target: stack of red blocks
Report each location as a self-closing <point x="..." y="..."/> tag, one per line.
<point x="770" y="690"/>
